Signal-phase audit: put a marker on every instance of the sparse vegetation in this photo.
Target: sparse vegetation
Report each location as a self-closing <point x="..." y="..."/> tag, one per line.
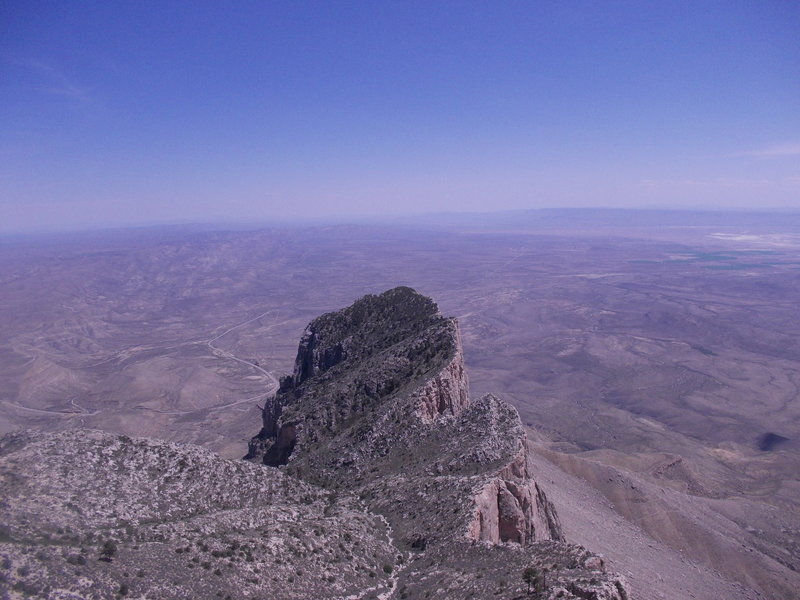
<point x="534" y="580"/>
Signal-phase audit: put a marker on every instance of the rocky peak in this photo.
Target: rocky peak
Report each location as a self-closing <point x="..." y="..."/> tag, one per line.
<point x="378" y="407"/>
<point x="363" y="329"/>
<point x="356" y="365"/>
<point x="379" y="401"/>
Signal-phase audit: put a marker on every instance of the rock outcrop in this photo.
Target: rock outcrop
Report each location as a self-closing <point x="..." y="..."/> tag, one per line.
<point x="509" y="511"/>
<point x="447" y="393"/>
<point x="379" y="392"/>
<point x="378" y="406"/>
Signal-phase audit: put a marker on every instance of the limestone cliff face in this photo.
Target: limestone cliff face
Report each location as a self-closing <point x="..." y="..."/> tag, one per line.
<point x="508" y="510"/>
<point x="313" y="360"/>
<point x="510" y="506"/>
<point x="447" y="393"/>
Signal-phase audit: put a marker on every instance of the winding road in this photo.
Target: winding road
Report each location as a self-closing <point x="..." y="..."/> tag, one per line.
<point x="220" y="353"/>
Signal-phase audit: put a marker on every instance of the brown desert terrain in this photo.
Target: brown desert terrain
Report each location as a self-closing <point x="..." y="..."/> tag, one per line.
<point x="656" y="365"/>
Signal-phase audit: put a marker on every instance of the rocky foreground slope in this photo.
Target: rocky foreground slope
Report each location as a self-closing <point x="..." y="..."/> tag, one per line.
<point x="390" y="483"/>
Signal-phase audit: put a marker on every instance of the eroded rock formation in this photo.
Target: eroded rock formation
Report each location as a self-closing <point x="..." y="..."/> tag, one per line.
<point x="513" y="511"/>
<point x="447" y="393"/>
<point x="378" y="406"/>
<point x="379" y="390"/>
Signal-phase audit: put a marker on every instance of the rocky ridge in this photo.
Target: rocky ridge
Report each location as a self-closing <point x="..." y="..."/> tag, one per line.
<point x="379" y="394"/>
<point x="390" y="483"/>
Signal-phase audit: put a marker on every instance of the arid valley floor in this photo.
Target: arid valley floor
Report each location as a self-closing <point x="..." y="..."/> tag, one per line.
<point x="655" y="363"/>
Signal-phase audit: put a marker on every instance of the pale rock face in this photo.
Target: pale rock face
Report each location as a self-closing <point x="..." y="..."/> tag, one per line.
<point x="445" y="394"/>
<point x="509" y="511"/>
<point x="512" y="508"/>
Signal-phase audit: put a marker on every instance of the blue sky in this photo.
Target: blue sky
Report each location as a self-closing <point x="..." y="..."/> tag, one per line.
<point x="142" y="112"/>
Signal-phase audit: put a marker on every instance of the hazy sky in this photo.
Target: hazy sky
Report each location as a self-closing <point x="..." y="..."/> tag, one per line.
<point x="133" y="112"/>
